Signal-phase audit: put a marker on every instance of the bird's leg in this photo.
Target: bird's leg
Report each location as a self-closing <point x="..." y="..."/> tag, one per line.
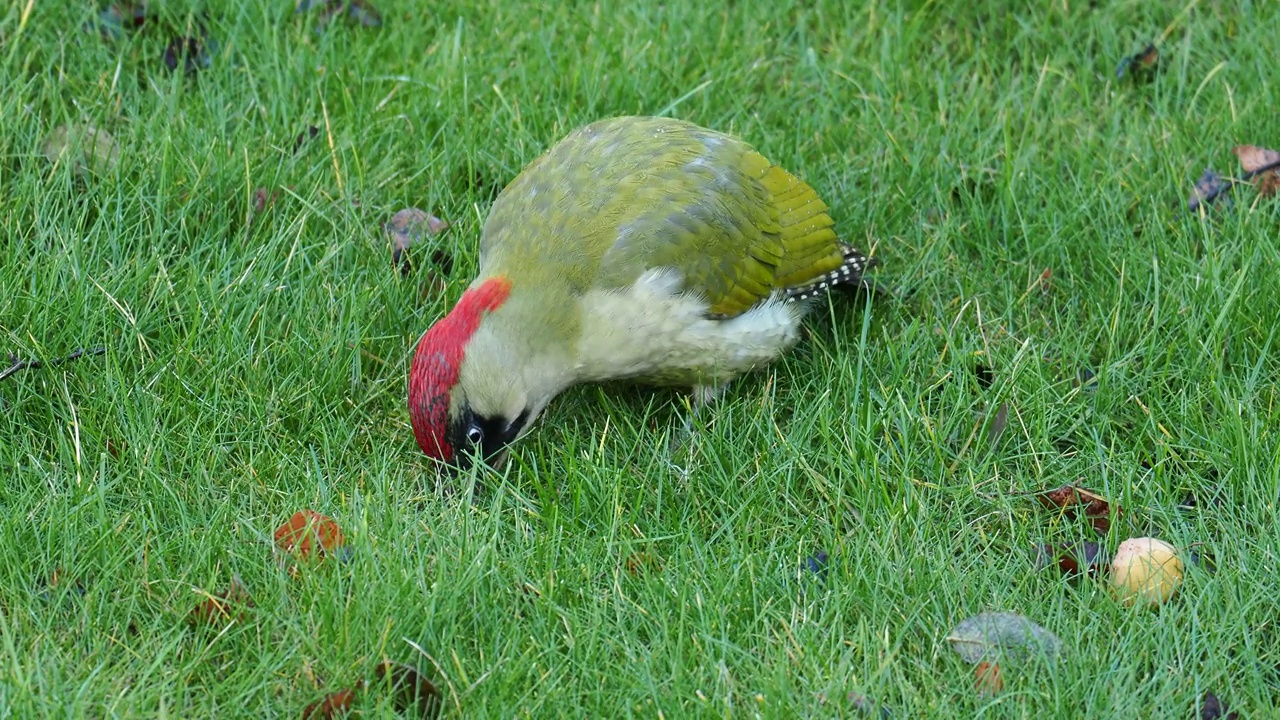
<point x="702" y="396"/>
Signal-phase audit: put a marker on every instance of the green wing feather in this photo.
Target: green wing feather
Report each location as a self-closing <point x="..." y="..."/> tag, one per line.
<point x="626" y="195"/>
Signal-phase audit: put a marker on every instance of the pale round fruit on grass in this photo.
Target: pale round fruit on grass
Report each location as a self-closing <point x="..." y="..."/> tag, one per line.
<point x="1145" y="570"/>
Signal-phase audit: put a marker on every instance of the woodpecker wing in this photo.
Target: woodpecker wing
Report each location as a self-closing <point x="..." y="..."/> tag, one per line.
<point x="627" y="195"/>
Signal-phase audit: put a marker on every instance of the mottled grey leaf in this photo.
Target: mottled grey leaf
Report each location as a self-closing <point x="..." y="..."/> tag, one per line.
<point x="406" y="228"/>
<point x="88" y="149"/>
<point x="1002" y="635"/>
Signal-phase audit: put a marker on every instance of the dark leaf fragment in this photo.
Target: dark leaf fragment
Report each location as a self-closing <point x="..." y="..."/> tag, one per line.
<point x="1202" y="557"/>
<point x="17" y="364"/>
<point x="1211" y="708"/>
<point x="1086" y="379"/>
<point x="360" y="12"/>
<point x="1074" y="559"/>
<point x="111" y="22"/>
<point x="412" y="690"/>
<point x="999" y="421"/>
<point x="303" y="137"/>
<point x="1208" y="190"/>
<point x="188" y="52"/>
<point x="984" y="375"/>
<point x="1141" y="65"/>
<point x="817" y="564"/>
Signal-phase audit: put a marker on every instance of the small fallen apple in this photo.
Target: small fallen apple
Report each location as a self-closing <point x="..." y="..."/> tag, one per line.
<point x="1145" y="569"/>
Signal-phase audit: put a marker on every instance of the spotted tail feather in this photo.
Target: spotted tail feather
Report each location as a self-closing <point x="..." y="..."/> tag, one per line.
<point x="848" y="274"/>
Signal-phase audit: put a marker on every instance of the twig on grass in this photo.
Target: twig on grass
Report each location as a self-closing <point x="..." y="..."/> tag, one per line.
<point x="16" y="364"/>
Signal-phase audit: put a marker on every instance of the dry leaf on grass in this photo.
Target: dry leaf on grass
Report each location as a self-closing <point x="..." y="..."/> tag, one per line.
<point x="987" y="679"/>
<point x="308" y="533"/>
<point x="334" y="705"/>
<point x="412" y="690"/>
<point x="642" y="563"/>
<point x="1260" y="165"/>
<point x="1074" y="501"/>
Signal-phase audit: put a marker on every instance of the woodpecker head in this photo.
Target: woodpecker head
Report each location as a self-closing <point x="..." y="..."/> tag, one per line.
<point x="464" y="402"/>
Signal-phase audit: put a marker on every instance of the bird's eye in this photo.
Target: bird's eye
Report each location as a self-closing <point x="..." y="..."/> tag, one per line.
<point x="475" y="435"/>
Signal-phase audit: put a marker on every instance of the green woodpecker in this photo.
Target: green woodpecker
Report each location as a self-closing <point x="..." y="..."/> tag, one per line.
<point x="642" y="248"/>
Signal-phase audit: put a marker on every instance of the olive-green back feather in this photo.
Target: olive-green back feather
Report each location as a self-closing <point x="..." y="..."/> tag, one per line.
<point x="625" y="195"/>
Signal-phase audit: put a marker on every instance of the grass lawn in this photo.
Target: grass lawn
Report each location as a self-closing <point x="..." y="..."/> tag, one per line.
<point x="255" y="365"/>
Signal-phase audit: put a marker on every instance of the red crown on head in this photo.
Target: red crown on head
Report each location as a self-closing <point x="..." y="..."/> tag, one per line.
<point x="438" y="362"/>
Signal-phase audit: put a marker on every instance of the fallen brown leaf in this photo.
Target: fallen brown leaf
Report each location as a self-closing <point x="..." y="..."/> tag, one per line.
<point x="642" y="563"/>
<point x="308" y="532"/>
<point x="412" y="689"/>
<point x="1260" y="165"/>
<point x="1254" y="159"/>
<point x="263" y="199"/>
<point x="987" y="679"/>
<point x="303" y="137"/>
<point x="1071" y="498"/>
<point x="334" y="705"/>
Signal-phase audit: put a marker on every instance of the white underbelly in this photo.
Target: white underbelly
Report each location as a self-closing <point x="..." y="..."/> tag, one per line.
<point x="652" y="333"/>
